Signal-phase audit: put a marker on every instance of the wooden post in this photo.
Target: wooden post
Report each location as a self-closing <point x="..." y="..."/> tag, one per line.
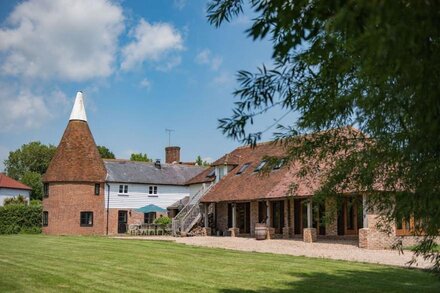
<point x="206" y="215"/>
<point x="234" y="216"/>
<point x="309" y="214"/>
<point x="267" y="213"/>
<point x="364" y="211"/>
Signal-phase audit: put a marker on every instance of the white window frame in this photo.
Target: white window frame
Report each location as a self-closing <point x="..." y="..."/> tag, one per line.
<point x="123" y="188"/>
<point x="152" y="190"/>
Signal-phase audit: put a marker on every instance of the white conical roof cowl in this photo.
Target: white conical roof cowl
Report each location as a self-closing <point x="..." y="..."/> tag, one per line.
<point x="78" y="111"/>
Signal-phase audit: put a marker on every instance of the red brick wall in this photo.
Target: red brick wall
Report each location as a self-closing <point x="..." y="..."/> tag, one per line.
<point x="64" y="204"/>
<point x="172" y="154"/>
<point x="133" y="217"/>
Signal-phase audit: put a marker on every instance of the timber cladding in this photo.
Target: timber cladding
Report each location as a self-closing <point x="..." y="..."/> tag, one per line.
<point x="65" y="203"/>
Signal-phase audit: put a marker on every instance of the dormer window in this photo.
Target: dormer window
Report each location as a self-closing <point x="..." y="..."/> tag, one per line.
<point x="243" y="168"/>
<point x="212" y="173"/>
<point x="260" y="166"/>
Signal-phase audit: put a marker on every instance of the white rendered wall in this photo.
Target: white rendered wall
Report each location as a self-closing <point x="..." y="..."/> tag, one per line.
<point x="9" y="192"/>
<point x="138" y="195"/>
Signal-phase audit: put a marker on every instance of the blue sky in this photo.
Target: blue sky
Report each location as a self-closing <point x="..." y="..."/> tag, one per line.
<point x="143" y="66"/>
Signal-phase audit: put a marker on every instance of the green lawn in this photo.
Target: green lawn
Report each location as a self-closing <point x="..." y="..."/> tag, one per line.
<point x="30" y="263"/>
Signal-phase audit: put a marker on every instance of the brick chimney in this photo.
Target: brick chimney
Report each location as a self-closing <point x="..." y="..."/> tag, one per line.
<point x="172" y="154"/>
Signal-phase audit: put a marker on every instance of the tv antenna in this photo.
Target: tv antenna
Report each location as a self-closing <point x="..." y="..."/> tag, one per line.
<point x="169" y="135"/>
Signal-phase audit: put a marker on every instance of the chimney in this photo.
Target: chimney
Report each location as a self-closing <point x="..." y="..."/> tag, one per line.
<point x="172" y="154"/>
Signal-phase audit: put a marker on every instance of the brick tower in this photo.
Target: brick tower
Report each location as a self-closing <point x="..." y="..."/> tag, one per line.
<point x="73" y="200"/>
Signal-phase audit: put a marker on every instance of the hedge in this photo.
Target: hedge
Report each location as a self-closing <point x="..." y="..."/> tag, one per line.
<point x="18" y="218"/>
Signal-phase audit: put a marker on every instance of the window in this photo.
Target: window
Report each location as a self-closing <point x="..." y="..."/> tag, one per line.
<point x="97" y="188"/>
<point x="149" y="218"/>
<point x="243" y="168"/>
<point x="123" y="188"/>
<point x="152" y="190"/>
<point x="221" y="172"/>
<point x="46" y="189"/>
<point x="212" y="173"/>
<point x="260" y="166"/>
<point x="279" y="164"/>
<point x="45" y="218"/>
<point x="409" y="226"/>
<point x="86" y="219"/>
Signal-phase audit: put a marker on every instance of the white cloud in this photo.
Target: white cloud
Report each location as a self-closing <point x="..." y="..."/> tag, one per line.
<point x="4" y="153"/>
<point x="223" y="78"/>
<point x="69" y="40"/>
<point x="152" y="42"/>
<point x="241" y="20"/>
<point x="205" y="57"/>
<point x="145" y="83"/>
<point x="179" y="4"/>
<point x="208" y="159"/>
<point x="23" y="110"/>
<point x="169" y="64"/>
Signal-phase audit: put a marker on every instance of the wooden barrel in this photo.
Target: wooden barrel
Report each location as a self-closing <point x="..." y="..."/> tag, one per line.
<point x="260" y="233"/>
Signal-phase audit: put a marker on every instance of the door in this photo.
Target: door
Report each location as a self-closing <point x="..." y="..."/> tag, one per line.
<point x="243" y="217"/>
<point x="278" y="216"/>
<point x="297" y="214"/>
<point x="122" y="222"/>
<point x="350" y="216"/>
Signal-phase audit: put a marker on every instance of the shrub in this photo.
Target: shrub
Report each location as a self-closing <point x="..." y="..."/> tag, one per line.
<point x="20" y="199"/>
<point x="35" y="202"/>
<point x="17" y="218"/>
<point x="162" y="221"/>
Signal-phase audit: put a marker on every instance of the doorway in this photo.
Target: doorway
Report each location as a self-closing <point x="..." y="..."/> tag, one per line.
<point x="122" y="222"/>
<point x="244" y="217"/>
<point x="350" y="216"/>
<point x="278" y="216"/>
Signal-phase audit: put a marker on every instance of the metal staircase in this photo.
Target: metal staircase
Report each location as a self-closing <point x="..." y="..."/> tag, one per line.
<point x="190" y="214"/>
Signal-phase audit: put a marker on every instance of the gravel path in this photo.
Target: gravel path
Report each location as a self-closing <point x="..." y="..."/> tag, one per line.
<point x="333" y="249"/>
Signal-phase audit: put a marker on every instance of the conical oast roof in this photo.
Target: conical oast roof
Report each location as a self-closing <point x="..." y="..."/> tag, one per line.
<point x="77" y="158"/>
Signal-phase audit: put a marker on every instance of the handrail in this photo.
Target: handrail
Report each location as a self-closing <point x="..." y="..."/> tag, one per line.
<point x="190" y="211"/>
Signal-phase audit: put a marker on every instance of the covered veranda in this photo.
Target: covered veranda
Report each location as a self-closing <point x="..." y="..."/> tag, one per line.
<point x="288" y="217"/>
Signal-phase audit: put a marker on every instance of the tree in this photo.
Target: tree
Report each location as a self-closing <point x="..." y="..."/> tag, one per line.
<point x="35" y="181"/>
<point x="105" y="152"/>
<point x="140" y="157"/>
<point x="200" y="162"/>
<point x="28" y="163"/>
<point x="31" y="157"/>
<point x="369" y="64"/>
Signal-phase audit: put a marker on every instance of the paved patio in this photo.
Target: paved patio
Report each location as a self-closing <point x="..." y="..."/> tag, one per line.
<point x="332" y="249"/>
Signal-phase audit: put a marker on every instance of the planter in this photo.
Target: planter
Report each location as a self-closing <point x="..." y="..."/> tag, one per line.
<point x="260" y="231"/>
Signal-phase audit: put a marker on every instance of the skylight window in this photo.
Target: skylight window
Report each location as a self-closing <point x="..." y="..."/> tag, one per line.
<point x="279" y="164"/>
<point x="260" y="166"/>
<point x="243" y="168"/>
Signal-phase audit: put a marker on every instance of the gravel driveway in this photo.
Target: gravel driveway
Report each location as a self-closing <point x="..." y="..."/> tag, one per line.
<point x="333" y="249"/>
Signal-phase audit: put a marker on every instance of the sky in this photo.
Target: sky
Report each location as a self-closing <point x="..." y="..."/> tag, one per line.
<point x="144" y="66"/>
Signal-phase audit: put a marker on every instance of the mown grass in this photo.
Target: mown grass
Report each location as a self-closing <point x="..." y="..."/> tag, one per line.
<point x="38" y="263"/>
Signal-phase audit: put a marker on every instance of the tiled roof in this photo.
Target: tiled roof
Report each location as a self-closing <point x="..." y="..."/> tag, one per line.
<point x="8" y="182"/>
<point x="251" y="185"/>
<point x="146" y="172"/>
<point x="202" y="177"/>
<point x="228" y="159"/>
<point x="77" y="158"/>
